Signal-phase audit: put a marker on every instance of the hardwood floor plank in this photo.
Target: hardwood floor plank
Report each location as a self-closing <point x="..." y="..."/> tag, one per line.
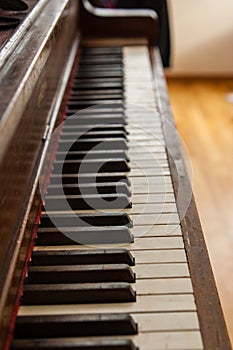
<point x="204" y="120"/>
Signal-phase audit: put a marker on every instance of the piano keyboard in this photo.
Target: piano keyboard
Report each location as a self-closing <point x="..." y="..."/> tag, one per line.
<point x="127" y="286"/>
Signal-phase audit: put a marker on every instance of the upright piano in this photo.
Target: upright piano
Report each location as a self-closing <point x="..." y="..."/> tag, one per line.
<point x="101" y="244"/>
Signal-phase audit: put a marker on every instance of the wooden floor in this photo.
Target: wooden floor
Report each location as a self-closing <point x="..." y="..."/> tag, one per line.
<point x="205" y="122"/>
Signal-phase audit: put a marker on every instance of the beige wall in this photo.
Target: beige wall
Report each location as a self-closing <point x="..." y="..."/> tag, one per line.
<point x="202" y="36"/>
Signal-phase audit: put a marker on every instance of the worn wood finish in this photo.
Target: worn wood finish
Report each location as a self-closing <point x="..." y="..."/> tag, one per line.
<point x="210" y="314"/>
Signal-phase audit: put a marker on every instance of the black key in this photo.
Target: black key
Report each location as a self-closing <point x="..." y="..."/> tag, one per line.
<point x="83" y="235"/>
<point x="90" y="166"/>
<point x="40" y="294"/>
<point x="107" y="108"/>
<point x="79" y="104"/>
<point x="95" y="95"/>
<point x="101" y="188"/>
<point x="88" y="202"/>
<point x="90" y="178"/>
<point x="106" y="127"/>
<point x="94" y="119"/>
<point x="94" y="219"/>
<point x="101" y="68"/>
<point x="99" y="74"/>
<point x="114" y="154"/>
<point x="106" y="93"/>
<point x="101" y="51"/>
<point x="52" y="326"/>
<point x="87" y="256"/>
<point x="101" y="63"/>
<point x="98" y="54"/>
<point x="101" y="85"/>
<point x="86" y="61"/>
<point x="80" y="274"/>
<point x="92" y="134"/>
<point x="88" y="144"/>
<point x="74" y="343"/>
<point x="97" y="80"/>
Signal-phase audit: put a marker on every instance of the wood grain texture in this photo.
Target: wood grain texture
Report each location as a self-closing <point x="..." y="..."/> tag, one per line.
<point x="204" y="120"/>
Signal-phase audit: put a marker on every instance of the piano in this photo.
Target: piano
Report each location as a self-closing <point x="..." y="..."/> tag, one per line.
<point x="101" y="244"/>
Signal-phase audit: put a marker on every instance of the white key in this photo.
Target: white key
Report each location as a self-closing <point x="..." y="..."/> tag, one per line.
<point x="163" y="286"/>
<point x="161" y="271"/>
<point x="144" y="304"/>
<point x="159" y="256"/>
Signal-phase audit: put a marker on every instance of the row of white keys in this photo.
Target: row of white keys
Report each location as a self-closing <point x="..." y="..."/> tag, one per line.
<point x="156" y="223"/>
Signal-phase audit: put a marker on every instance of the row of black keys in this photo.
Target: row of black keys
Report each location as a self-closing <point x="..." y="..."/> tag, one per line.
<point x="89" y="275"/>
